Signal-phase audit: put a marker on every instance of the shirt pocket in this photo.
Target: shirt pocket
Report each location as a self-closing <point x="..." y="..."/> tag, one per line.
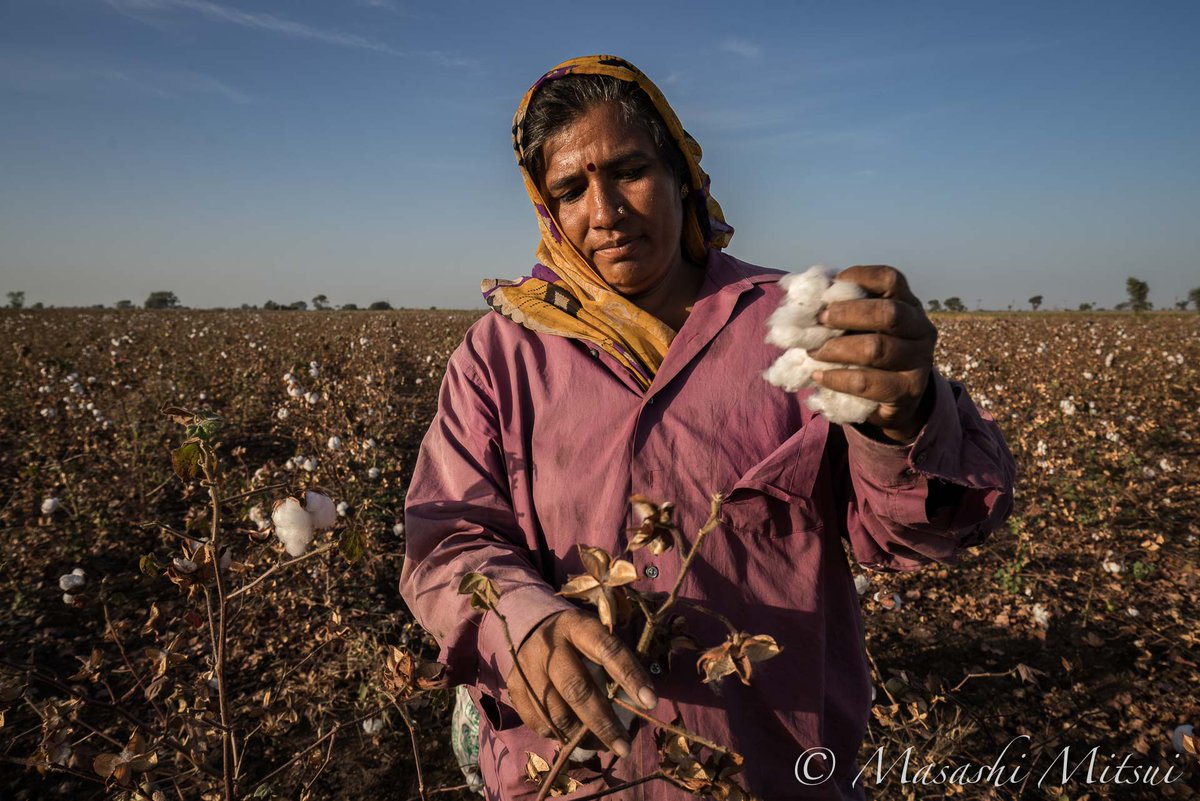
<point x="774" y="497"/>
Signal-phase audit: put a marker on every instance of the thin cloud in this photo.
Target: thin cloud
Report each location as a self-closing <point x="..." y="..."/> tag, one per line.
<point x="252" y="20"/>
<point x="741" y="47"/>
<point x="47" y="72"/>
<point x="386" y="5"/>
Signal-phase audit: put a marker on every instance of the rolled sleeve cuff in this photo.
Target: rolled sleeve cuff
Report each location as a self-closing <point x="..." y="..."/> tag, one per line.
<point x="934" y="451"/>
<point x="523" y="609"/>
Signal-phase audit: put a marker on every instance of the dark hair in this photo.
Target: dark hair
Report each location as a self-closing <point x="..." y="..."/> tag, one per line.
<point x="562" y="101"/>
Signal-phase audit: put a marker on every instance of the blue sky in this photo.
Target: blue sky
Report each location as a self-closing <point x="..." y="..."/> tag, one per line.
<point x="238" y="150"/>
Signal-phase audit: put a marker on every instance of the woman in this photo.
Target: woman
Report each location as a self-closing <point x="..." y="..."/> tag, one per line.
<point x="630" y="361"/>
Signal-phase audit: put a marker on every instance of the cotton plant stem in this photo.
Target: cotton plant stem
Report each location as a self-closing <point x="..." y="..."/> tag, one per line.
<point x="560" y="762"/>
<point x="704" y="610"/>
<point x="228" y="760"/>
<point x="248" y="493"/>
<point x="714" y="518"/>
<point x="280" y="566"/>
<point x="682" y="732"/>
<point x="315" y="744"/>
<point x="416" y="749"/>
<point x="658" y="774"/>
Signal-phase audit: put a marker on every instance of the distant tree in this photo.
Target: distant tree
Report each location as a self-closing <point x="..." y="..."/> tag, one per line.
<point x="935" y="305"/>
<point x="124" y="305"/>
<point x="1138" y="291"/>
<point x="1035" y="301"/>
<point x="954" y="304"/>
<point x="1181" y="305"/>
<point x="349" y="307"/>
<point x="1122" y="306"/>
<point x="37" y="306"/>
<point x="1085" y="307"/>
<point x="16" y="300"/>
<point x="380" y="305"/>
<point x="162" y="300"/>
<point x="271" y="305"/>
<point x="1194" y="297"/>
<point x="298" y="306"/>
<point x="320" y="302"/>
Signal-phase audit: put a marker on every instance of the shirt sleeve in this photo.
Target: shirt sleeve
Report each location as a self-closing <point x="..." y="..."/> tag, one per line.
<point x="927" y="501"/>
<point x="459" y="518"/>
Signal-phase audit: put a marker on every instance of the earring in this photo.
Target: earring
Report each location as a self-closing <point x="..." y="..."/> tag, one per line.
<point x="683" y="191"/>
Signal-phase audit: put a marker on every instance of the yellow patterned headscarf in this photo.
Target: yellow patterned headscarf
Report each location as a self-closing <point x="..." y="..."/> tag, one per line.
<point x="565" y="295"/>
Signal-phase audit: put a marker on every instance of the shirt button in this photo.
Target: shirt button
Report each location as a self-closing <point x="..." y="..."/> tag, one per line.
<point x="594" y="353"/>
<point x="651" y="571"/>
<point x="655" y="668"/>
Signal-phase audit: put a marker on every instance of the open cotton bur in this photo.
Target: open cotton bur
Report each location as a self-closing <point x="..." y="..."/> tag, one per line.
<point x="794" y="327"/>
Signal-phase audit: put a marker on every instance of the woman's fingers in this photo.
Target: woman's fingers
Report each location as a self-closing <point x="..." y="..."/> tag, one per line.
<point x="601" y="646"/>
<point x="878" y="314"/>
<point x="880" y="351"/>
<point x="884" y="386"/>
<point x="882" y="280"/>
<point x="587" y="701"/>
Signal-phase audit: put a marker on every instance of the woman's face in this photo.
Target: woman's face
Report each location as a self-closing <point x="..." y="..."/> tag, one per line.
<point x="615" y="200"/>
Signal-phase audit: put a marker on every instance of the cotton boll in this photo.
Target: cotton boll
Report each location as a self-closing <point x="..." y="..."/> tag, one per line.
<point x="309" y="465"/>
<point x="862" y="583"/>
<point x="313" y="398"/>
<point x="185" y="566"/>
<point x="259" y="518"/>
<point x="792" y="371"/>
<point x="372" y="725"/>
<point x="374" y="473"/>
<point x="282" y="414"/>
<point x="293" y="526"/>
<point x="50" y="506"/>
<point x="839" y="291"/>
<point x="335" y="443"/>
<point x="78" y="572"/>
<point x="343" y="509"/>
<point x="398" y="529"/>
<point x="295" y="391"/>
<point x="70" y="582"/>
<point x="320" y="506"/>
<point x="840" y="407"/>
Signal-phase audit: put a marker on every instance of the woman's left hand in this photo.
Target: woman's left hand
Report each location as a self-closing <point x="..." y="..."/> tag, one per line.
<point x="889" y="335"/>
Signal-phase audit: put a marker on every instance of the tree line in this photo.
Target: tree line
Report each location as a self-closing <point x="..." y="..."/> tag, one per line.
<point x="1137" y="290"/>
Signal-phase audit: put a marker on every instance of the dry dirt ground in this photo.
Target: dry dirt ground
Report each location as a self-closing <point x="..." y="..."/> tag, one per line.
<point x="1075" y="627"/>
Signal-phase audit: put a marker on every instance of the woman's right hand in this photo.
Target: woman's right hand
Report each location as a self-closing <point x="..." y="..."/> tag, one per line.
<point x="552" y="658"/>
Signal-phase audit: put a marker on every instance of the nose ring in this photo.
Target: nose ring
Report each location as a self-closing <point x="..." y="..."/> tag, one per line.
<point x="621" y="210"/>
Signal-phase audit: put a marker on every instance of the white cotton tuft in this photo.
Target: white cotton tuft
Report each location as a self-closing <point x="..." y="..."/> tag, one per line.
<point x="343" y="509"/>
<point x="79" y="572"/>
<point x="70" y="582"/>
<point x="839" y="291"/>
<point x="841" y="407"/>
<point x="374" y="473"/>
<point x="320" y="506"/>
<point x="259" y="518"/>
<point x="794" y="327"/>
<point x="50" y="506"/>
<point x="862" y="582"/>
<point x="335" y="443"/>
<point x="293" y="526"/>
<point x="398" y="529"/>
<point x="372" y="725"/>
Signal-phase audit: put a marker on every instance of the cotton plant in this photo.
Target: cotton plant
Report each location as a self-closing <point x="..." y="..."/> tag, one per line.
<point x="298" y="519"/>
<point x="793" y="326"/>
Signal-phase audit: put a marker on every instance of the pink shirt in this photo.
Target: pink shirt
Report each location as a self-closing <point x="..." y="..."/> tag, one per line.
<point x="537" y="444"/>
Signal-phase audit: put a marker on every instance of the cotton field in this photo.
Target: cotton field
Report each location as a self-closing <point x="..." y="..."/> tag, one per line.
<point x="1077" y="625"/>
